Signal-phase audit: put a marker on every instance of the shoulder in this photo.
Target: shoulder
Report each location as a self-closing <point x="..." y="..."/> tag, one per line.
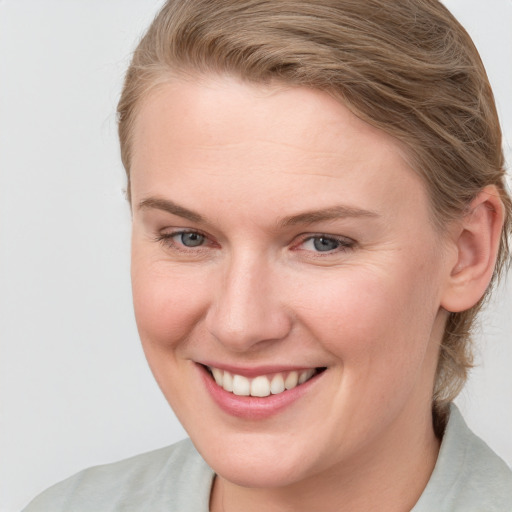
<point x="468" y="475"/>
<point x="171" y="479"/>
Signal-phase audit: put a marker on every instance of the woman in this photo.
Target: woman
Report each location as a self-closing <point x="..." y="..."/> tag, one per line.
<point x="319" y="208"/>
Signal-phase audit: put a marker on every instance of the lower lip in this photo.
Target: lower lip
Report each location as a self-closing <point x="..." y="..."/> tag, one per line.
<point x="251" y="407"/>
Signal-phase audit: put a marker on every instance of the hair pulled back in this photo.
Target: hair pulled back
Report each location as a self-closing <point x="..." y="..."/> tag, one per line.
<point x="406" y="67"/>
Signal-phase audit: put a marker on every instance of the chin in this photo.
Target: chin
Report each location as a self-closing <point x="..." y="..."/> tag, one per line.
<point x="251" y="461"/>
<point x="259" y="474"/>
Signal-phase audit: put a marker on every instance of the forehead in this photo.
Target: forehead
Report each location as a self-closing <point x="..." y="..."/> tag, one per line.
<point x="222" y="110"/>
<point x="251" y="139"/>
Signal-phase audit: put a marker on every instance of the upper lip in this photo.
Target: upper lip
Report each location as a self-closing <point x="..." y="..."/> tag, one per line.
<point x="255" y="371"/>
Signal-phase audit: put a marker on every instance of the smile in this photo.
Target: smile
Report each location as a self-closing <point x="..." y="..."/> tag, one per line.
<point x="262" y="385"/>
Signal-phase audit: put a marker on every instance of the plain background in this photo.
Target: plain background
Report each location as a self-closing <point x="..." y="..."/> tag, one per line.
<point x="74" y="386"/>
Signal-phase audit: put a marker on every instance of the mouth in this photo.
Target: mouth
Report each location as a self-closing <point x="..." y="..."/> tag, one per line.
<point x="262" y="385"/>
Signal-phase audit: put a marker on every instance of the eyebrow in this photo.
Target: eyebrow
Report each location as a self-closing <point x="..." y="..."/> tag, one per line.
<point x="332" y="213"/>
<point x="170" y="207"/>
<point x="308" y="217"/>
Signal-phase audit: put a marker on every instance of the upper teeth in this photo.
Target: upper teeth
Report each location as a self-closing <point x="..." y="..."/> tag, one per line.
<point x="263" y="385"/>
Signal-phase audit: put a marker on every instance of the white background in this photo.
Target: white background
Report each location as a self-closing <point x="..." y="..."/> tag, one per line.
<point x="74" y="386"/>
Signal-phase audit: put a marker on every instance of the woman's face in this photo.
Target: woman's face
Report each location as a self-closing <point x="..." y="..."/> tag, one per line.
<point x="276" y="239"/>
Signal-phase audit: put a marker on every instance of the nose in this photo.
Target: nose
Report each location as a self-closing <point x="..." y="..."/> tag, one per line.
<point x="247" y="311"/>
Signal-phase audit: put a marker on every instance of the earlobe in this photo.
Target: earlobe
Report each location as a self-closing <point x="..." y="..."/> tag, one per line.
<point x="477" y="243"/>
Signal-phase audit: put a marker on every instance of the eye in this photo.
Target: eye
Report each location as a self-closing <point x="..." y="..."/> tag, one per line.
<point x="189" y="239"/>
<point x="183" y="240"/>
<point x="325" y="244"/>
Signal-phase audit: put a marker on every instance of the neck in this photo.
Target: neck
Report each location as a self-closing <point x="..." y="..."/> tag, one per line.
<point x="389" y="476"/>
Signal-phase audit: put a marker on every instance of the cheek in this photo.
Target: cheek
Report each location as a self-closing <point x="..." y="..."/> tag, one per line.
<point x="373" y="319"/>
<point x="168" y="307"/>
<point x="167" y="304"/>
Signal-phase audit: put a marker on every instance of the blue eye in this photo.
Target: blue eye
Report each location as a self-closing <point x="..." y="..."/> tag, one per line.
<point x="189" y="243"/>
<point x="324" y="244"/>
<point x="190" y="239"/>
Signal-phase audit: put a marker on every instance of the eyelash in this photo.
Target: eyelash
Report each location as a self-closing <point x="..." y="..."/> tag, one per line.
<point x="344" y="243"/>
<point x="167" y="240"/>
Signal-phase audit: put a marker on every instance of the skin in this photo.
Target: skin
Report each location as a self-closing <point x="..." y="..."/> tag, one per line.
<point x="244" y="158"/>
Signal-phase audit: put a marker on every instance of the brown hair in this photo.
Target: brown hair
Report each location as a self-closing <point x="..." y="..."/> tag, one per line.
<point x="406" y="67"/>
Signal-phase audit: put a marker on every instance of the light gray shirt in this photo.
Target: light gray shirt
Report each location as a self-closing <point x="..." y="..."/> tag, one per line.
<point x="468" y="477"/>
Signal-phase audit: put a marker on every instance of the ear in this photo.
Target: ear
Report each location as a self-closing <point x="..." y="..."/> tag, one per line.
<point x="477" y="240"/>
